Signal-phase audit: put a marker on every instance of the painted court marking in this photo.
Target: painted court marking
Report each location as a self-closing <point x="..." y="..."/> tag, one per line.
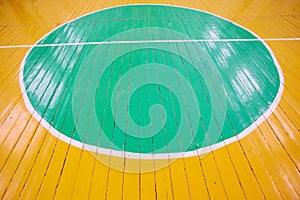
<point x="143" y="41"/>
<point x="99" y="52"/>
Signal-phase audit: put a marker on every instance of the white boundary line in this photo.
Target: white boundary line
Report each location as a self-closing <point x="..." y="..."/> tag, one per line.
<point x="145" y="41"/>
<point x="150" y="156"/>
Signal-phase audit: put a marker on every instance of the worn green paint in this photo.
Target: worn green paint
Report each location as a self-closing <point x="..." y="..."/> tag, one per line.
<point x="150" y="97"/>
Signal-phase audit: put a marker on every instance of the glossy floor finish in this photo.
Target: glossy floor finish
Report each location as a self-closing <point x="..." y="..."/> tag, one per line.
<point x="233" y="98"/>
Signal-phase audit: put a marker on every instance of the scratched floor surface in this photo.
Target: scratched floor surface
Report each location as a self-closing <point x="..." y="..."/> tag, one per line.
<point x="150" y="99"/>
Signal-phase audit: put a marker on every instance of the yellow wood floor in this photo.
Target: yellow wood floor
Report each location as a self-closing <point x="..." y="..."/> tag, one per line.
<point x="36" y="165"/>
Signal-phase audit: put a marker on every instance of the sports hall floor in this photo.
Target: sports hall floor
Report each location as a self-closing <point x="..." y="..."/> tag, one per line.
<point x="37" y="164"/>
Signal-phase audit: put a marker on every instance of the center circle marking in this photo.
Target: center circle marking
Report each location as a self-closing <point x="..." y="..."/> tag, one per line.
<point x="150" y="81"/>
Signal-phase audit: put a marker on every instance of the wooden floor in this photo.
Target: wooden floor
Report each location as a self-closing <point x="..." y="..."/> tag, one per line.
<point x="36" y="165"/>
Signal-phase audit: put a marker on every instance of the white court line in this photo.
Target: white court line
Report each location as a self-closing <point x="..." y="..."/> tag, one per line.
<point x="145" y="41"/>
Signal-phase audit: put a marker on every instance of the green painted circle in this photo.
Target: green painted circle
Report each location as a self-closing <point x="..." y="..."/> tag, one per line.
<point x="150" y="79"/>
